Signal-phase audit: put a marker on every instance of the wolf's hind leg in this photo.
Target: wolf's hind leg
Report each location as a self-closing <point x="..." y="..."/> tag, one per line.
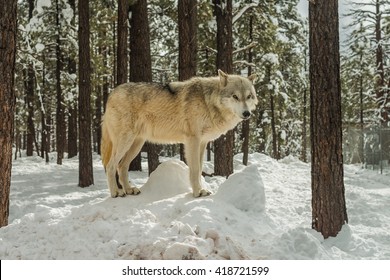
<point x="123" y="166"/>
<point x="118" y="152"/>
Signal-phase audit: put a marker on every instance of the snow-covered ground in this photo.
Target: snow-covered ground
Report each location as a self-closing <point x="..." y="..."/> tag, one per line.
<point x="263" y="211"/>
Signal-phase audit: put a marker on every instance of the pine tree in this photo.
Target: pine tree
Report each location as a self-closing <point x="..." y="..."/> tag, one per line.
<point x="357" y="89"/>
<point x="187" y="22"/>
<point x="60" y="111"/>
<point x="140" y="61"/>
<point x="30" y="85"/>
<point x="123" y="31"/>
<point x="328" y="196"/>
<point x="369" y="22"/>
<point x="224" y="145"/>
<point x="245" y="124"/>
<point x="85" y="158"/>
<point x="8" y="19"/>
<point x="72" y="103"/>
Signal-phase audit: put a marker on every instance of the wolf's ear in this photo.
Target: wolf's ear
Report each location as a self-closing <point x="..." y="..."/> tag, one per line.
<point x="222" y="78"/>
<point x="252" y="78"/>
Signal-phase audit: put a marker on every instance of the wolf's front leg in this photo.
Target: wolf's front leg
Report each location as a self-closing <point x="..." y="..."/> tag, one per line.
<point x="192" y="149"/>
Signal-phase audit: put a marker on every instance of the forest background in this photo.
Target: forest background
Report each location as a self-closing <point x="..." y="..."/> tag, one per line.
<point x="270" y="38"/>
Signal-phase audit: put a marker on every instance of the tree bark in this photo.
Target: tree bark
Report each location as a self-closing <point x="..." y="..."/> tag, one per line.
<point x="72" y="116"/>
<point x="187" y="22"/>
<point x="85" y="155"/>
<point x="72" y="129"/>
<point x="30" y="77"/>
<point x="60" y="114"/>
<point x="141" y="67"/>
<point x="275" y="151"/>
<point x="304" y="127"/>
<point x="328" y="198"/>
<point x="8" y="29"/>
<point x="224" y="145"/>
<point x="98" y="118"/>
<point x="123" y="34"/>
<point x="135" y="51"/>
<point x="245" y="123"/>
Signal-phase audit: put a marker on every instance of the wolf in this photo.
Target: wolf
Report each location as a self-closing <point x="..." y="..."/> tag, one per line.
<point x="191" y="112"/>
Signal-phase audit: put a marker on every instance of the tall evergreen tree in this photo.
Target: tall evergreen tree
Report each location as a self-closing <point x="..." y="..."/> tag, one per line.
<point x="224" y="145"/>
<point x="30" y="84"/>
<point x="123" y="35"/>
<point x="8" y="19"/>
<point x="369" y="23"/>
<point x="245" y="124"/>
<point x="60" y="111"/>
<point x="85" y="157"/>
<point x="187" y="22"/>
<point x="72" y="107"/>
<point x="329" y="212"/>
<point x="140" y="61"/>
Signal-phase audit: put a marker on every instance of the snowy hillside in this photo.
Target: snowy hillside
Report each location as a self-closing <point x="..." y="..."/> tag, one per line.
<point x="263" y="211"/>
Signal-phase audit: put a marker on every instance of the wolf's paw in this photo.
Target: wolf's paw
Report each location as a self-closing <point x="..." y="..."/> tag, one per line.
<point x="114" y="195"/>
<point x="117" y="193"/>
<point x="133" y="191"/>
<point x="202" y="192"/>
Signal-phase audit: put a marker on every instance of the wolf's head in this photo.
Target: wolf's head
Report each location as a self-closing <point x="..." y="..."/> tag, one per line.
<point x="238" y="94"/>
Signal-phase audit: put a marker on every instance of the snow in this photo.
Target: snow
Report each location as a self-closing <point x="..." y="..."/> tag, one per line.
<point x="39" y="47"/>
<point x="262" y="211"/>
<point x="271" y="58"/>
<point x="41" y="4"/>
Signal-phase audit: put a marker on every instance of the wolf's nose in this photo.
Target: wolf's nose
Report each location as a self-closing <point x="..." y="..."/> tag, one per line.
<point x="246" y="114"/>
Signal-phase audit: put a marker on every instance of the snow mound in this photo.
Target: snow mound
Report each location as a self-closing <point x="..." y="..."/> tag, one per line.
<point x="171" y="178"/>
<point x="52" y="218"/>
<point x="301" y="242"/>
<point x="244" y="190"/>
<point x="187" y="252"/>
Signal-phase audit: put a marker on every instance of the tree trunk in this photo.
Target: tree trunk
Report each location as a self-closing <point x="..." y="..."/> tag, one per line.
<point x="275" y="153"/>
<point x="46" y="117"/>
<point x="245" y="123"/>
<point x="223" y="146"/>
<point x="8" y="18"/>
<point x="187" y="22"/>
<point x="98" y="118"/>
<point x="141" y="67"/>
<point x="85" y="155"/>
<point x="106" y="83"/>
<point x="48" y="126"/>
<point x="304" y="127"/>
<point x="30" y="110"/>
<point x="328" y="198"/>
<point x="30" y="95"/>
<point x="123" y="34"/>
<point x="60" y="115"/>
<point x="72" y="129"/>
<point x="72" y="116"/>
<point x="135" y="61"/>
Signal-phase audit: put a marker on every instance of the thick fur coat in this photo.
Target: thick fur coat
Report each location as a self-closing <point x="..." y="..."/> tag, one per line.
<point x="192" y="112"/>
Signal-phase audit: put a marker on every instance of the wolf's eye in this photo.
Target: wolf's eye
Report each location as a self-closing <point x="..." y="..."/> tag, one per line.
<point x="235" y="97"/>
<point x="249" y="96"/>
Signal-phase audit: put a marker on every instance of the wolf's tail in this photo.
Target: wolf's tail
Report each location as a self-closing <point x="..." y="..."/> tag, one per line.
<point x="105" y="146"/>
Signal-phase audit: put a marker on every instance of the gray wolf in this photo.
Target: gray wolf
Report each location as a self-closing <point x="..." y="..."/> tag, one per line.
<point x="191" y="112"/>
